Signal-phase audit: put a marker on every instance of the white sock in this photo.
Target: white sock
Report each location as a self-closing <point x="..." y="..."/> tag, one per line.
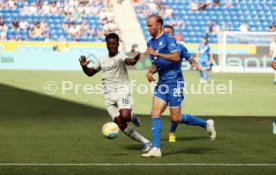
<point x="130" y="132"/>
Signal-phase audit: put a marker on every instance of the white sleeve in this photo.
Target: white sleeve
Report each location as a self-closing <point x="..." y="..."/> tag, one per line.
<point x="123" y="56"/>
<point x="97" y="65"/>
<point x="271" y="46"/>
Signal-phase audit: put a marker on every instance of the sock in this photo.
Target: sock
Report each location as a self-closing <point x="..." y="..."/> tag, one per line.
<point x="130" y="132"/>
<point x="201" y="73"/>
<point x="192" y="120"/>
<point x="156" y="131"/>
<point x="206" y="75"/>
<point x="173" y="126"/>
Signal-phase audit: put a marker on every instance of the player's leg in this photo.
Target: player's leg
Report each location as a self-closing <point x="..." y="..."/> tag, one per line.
<point x="159" y="104"/>
<point x="175" y="101"/>
<point x="189" y="119"/>
<point x="125" y="114"/>
<point x="205" y="67"/>
<point x="201" y="72"/>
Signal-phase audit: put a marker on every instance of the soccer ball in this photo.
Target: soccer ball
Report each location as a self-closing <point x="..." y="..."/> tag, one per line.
<point x="110" y="130"/>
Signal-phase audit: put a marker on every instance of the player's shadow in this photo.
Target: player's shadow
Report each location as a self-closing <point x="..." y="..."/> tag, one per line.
<point x="194" y="150"/>
<point x="191" y="138"/>
<point x="134" y="147"/>
<point x="22" y="104"/>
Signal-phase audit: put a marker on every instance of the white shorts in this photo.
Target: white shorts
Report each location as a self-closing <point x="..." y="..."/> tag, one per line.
<point x="116" y="102"/>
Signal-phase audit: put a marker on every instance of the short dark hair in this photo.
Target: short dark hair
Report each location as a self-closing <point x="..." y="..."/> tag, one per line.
<point x="112" y="35"/>
<point x="157" y="18"/>
<point x="169" y="26"/>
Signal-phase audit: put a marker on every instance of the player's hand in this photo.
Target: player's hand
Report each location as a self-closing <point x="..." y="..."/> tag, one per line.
<point x="83" y="61"/>
<point x="150" y="77"/>
<point x="197" y="68"/>
<point x="150" y="51"/>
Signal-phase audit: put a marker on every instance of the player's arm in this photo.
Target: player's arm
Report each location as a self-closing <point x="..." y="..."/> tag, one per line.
<point x="151" y="71"/>
<point x="197" y="55"/>
<point x="88" y="71"/>
<point x="194" y="64"/>
<point x="174" y="56"/>
<point x="130" y="61"/>
<point x="270" y="54"/>
<point x="211" y="57"/>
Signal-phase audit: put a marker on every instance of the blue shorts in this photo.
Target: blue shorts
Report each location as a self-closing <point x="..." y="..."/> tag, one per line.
<point x="172" y="95"/>
<point x="204" y="64"/>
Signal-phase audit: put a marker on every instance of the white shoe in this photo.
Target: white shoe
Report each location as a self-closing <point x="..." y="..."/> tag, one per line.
<point x="201" y="80"/>
<point x="147" y="146"/>
<point x="211" y="129"/>
<point x="154" y="152"/>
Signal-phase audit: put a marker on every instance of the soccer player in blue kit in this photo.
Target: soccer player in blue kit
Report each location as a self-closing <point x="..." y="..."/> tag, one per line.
<point x="189" y="119"/>
<point x="166" y="61"/>
<point x="205" y="60"/>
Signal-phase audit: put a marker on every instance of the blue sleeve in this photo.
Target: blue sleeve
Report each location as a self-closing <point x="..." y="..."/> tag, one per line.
<point x="274" y="59"/>
<point x="209" y="49"/>
<point x="185" y="53"/>
<point x="171" y="44"/>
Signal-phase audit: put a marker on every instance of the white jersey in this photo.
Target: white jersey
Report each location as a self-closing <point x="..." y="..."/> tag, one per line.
<point x="114" y="73"/>
<point x="273" y="49"/>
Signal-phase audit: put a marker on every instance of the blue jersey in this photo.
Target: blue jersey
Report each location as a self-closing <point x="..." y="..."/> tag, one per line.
<point x="168" y="71"/>
<point x="204" y="51"/>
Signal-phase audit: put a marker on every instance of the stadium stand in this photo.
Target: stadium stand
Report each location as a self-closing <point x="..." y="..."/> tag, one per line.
<point x="226" y="15"/>
<point x="91" y="20"/>
<point x="60" y="20"/>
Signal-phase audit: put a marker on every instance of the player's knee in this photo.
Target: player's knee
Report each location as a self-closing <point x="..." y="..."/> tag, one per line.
<point x="176" y="119"/>
<point x="120" y="122"/>
<point x="126" y="114"/>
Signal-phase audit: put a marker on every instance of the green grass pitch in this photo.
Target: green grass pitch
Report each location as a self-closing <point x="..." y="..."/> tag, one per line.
<point x="36" y="127"/>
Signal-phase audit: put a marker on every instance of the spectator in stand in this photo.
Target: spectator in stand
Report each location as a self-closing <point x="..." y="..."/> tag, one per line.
<point x="33" y="9"/>
<point x="3" y="34"/>
<point x="205" y="4"/>
<point x="3" y="25"/>
<point x="24" y="25"/>
<point x="64" y="26"/>
<point x="216" y="3"/>
<point x="229" y="3"/>
<point x="209" y="28"/>
<point x="45" y="8"/>
<point x="194" y="6"/>
<point x="45" y="29"/>
<point x="25" y="10"/>
<point x="54" y="8"/>
<point x="216" y="28"/>
<point x="15" y="24"/>
<point x="272" y="28"/>
<point x="168" y="11"/>
<point x="224" y="27"/>
<point x="244" y="27"/>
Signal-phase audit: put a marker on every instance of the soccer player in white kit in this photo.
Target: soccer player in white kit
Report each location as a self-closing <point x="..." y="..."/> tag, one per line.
<point x="116" y="86"/>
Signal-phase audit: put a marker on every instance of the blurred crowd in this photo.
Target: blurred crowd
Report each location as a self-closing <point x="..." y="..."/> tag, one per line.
<point x="75" y="18"/>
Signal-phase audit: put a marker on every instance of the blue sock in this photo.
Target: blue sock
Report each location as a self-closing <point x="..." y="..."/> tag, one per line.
<point x="201" y="73"/>
<point x="173" y="126"/>
<point x="156" y="131"/>
<point x="192" y="120"/>
<point x="206" y="75"/>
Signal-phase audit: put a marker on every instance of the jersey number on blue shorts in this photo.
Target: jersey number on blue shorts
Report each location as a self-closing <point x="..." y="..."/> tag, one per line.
<point x="176" y="92"/>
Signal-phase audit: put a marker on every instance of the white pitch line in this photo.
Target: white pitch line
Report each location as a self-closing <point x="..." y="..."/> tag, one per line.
<point x="141" y="164"/>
